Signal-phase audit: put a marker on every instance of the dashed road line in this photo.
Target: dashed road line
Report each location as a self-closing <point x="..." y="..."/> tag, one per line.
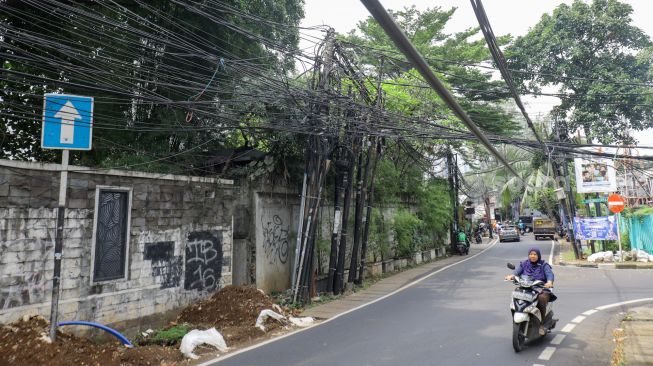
<point x="578" y="319"/>
<point x="568" y="328"/>
<point x="547" y="353"/>
<point x="558" y="339"/>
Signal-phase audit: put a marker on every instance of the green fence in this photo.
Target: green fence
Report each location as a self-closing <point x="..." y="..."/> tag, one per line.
<point x="640" y="232"/>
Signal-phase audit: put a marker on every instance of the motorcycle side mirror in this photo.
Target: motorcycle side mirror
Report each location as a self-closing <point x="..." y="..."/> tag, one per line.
<point x="511" y="266"/>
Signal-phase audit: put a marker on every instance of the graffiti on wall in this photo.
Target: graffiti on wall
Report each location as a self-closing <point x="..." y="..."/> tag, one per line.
<point x="166" y="267"/>
<point x="275" y="240"/>
<point x="203" y="261"/>
<point x="26" y="289"/>
<point x="28" y="285"/>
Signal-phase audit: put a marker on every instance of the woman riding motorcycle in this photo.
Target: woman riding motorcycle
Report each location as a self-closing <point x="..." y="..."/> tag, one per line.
<point x="538" y="269"/>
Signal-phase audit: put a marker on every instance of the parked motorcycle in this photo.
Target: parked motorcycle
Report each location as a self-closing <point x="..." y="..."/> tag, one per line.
<point x="478" y="238"/>
<point x="462" y="248"/>
<point x="526" y="316"/>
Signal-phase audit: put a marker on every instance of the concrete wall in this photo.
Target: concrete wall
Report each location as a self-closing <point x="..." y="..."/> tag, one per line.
<point x="179" y="243"/>
<point x="276" y="226"/>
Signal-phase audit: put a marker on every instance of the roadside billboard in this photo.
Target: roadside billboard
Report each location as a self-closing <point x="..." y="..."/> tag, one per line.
<point x="596" y="175"/>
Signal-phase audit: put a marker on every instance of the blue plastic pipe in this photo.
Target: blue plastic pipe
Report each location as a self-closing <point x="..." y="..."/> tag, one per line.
<point x="111" y="331"/>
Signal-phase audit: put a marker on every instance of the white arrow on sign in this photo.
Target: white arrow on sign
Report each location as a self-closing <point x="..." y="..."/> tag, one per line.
<point x="68" y="114"/>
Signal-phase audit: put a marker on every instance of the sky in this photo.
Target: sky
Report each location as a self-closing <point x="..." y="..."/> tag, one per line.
<point x="513" y="17"/>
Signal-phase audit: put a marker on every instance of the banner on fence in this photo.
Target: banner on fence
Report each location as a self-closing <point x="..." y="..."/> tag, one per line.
<point x="596" y="228"/>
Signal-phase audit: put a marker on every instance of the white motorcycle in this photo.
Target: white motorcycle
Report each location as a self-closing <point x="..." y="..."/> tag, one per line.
<point x="526" y="316"/>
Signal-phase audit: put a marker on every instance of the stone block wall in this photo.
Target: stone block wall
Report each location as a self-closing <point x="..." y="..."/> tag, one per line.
<point x="179" y="242"/>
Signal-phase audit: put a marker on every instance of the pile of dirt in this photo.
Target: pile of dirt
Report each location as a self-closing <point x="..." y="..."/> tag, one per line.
<point x="233" y="311"/>
<point x="25" y="342"/>
<point x="231" y="306"/>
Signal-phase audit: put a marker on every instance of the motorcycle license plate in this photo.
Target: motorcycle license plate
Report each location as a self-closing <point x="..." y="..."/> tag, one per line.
<point x="526" y="296"/>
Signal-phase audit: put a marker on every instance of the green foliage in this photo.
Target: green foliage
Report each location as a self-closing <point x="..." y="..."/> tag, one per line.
<point x="378" y="242"/>
<point x="589" y="44"/>
<point x="546" y="202"/>
<point x="141" y="77"/>
<point x="434" y="210"/>
<point x="406" y="225"/>
<point x="170" y="336"/>
<point x="642" y="211"/>
<point x="425" y="29"/>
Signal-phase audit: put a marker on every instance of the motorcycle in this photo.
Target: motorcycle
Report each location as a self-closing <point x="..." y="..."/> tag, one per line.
<point x="478" y="238"/>
<point x="462" y="248"/>
<point x="562" y="231"/>
<point x="525" y="314"/>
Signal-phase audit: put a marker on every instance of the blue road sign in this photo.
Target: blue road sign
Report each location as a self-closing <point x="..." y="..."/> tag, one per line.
<point x="67" y="122"/>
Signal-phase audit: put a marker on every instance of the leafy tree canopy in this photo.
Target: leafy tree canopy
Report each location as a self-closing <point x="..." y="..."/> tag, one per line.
<point x="451" y="55"/>
<point x="595" y="56"/>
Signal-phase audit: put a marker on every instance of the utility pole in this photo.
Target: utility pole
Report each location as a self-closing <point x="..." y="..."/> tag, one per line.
<point x="317" y="151"/>
<point x="570" y="211"/>
<point x="370" y="206"/>
<point x="453" y="196"/>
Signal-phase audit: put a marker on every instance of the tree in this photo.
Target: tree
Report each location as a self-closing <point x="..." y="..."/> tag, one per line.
<point x="598" y="61"/>
<point x="162" y="74"/>
<point x="451" y="55"/>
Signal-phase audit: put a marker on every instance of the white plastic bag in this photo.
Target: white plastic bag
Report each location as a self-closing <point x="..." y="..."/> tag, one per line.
<point x="196" y="337"/>
<point x="608" y="257"/>
<point x="301" y="322"/>
<point x="264" y="315"/>
<point x="642" y="256"/>
<point x="596" y="257"/>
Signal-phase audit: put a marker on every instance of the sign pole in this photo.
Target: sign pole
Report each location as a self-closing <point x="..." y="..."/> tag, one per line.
<point x="621" y="253"/>
<point x="58" y="244"/>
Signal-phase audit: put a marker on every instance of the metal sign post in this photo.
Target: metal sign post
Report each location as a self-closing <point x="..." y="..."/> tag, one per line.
<point x="58" y="245"/>
<point x="621" y="253"/>
<point x="67" y="125"/>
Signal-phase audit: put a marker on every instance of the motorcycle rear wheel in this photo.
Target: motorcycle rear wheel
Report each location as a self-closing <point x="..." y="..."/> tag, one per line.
<point x="518" y="339"/>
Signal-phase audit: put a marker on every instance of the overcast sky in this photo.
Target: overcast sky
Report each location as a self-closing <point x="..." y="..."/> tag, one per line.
<point x="513" y="17"/>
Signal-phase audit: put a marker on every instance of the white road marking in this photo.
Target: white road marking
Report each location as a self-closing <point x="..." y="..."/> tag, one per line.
<point x="538" y="364"/>
<point x="578" y="319"/>
<point x="547" y="353"/>
<point x="568" y="328"/>
<point x="229" y="355"/>
<point x="558" y="339"/>
<point x="623" y="303"/>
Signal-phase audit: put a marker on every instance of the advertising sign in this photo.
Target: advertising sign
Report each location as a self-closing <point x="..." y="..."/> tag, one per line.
<point x="596" y="228"/>
<point x="596" y="175"/>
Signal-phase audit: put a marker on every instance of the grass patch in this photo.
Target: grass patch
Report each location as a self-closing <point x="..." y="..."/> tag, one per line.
<point x="170" y="336"/>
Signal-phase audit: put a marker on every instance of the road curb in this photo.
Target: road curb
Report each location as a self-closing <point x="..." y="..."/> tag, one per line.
<point x="607" y="265"/>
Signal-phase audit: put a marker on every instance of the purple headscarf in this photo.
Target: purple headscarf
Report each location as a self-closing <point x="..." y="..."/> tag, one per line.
<point x="535" y="270"/>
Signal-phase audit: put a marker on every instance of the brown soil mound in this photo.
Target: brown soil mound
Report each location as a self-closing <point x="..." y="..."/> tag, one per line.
<point x="20" y="345"/>
<point x="231" y="306"/>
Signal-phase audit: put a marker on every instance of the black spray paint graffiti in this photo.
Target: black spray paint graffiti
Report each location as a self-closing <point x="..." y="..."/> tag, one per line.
<point x="166" y="267"/>
<point x="275" y="240"/>
<point x="203" y="261"/>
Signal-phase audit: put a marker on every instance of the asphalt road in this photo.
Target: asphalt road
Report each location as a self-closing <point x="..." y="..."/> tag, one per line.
<point x="461" y="316"/>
